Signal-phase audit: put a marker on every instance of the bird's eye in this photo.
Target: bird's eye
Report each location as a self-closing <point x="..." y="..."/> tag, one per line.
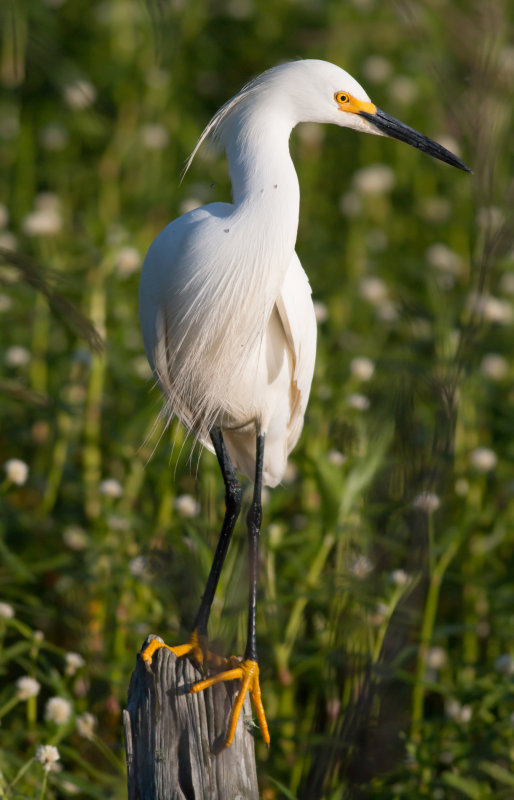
<point x="341" y="97"/>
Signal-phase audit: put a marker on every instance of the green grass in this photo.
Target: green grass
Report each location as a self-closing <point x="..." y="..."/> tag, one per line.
<point x="385" y="621"/>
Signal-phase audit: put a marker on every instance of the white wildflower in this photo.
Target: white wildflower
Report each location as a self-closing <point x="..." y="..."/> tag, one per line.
<point x="350" y="204"/>
<point x="358" y="401"/>
<point x="58" y="710"/>
<point x="189" y="204"/>
<point x="46" y="219"/>
<point x="436" y="657"/>
<point x="374" y="290"/>
<point x="8" y="241"/>
<point x="75" y="537"/>
<point x="74" y="661"/>
<point x="86" y="725"/>
<point x="118" y="523"/>
<point x="17" y="356"/>
<point x="403" y="89"/>
<point x="320" y="311"/>
<point x="333" y="708"/>
<point x="47" y="755"/>
<point x="494" y="366"/>
<point x="110" y="487"/>
<point x="493" y="309"/>
<point x="399" y="577"/>
<point x="138" y="566"/>
<point x="79" y="95"/>
<point x="376" y="69"/>
<point x="457" y="712"/>
<point x="442" y="258"/>
<point x="142" y="368"/>
<point x="187" y="506"/>
<point x="5" y="300"/>
<point x="154" y="136"/>
<point x="507" y="282"/>
<point x="127" y="261"/>
<point x="491" y="218"/>
<point x="374" y="179"/>
<point x="27" y="687"/>
<point x="336" y="458"/>
<point x="461" y="487"/>
<point x="311" y="134"/>
<point x="362" y="368"/>
<point x="387" y="312"/>
<point x="426" y="501"/>
<point x="43" y="222"/>
<point x="505" y="664"/>
<point x="16" y="471"/>
<point x="67" y="786"/>
<point x="483" y="459"/>
<point x="435" y="209"/>
<point x="53" y="137"/>
<point x="449" y="142"/>
<point x="6" y="611"/>
<point x="116" y="235"/>
<point x="240" y="9"/>
<point x="380" y="614"/>
<point x="361" y="566"/>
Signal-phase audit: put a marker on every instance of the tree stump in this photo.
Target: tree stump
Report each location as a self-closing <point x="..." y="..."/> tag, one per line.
<point x="174" y="740"/>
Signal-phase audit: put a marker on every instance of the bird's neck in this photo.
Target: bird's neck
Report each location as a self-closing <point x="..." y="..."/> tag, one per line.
<point x="264" y="181"/>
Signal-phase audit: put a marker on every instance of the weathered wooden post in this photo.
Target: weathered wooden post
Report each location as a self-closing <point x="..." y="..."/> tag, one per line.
<point x="174" y="740"/>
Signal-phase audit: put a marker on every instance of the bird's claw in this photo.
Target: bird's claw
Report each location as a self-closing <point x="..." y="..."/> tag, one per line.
<point x="195" y="647"/>
<point x="247" y="671"/>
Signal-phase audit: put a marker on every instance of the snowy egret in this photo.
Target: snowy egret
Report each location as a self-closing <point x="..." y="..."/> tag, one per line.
<point x="226" y="310"/>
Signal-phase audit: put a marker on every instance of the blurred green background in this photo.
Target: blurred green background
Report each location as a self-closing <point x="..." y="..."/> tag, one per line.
<point x="386" y="622"/>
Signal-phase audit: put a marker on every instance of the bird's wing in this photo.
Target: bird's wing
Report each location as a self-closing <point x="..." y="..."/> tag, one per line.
<point x="296" y="311"/>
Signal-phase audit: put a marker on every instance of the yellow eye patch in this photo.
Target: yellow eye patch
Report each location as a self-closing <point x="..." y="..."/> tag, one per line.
<point x="347" y="102"/>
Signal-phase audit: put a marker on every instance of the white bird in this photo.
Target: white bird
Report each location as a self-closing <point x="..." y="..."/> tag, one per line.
<point x="226" y="311"/>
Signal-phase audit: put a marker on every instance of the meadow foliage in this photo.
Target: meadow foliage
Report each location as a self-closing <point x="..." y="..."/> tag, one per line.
<point x="386" y="622"/>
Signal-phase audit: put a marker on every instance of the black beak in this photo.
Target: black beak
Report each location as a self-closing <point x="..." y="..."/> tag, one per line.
<point x="392" y="127"/>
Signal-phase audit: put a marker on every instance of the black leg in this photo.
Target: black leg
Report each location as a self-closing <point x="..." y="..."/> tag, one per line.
<point x="253" y="520"/>
<point x="247" y="671"/>
<point x="233" y="507"/>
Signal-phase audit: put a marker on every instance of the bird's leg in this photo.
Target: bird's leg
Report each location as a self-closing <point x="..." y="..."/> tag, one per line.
<point x="197" y="645"/>
<point x="233" y="495"/>
<point x="248" y="670"/>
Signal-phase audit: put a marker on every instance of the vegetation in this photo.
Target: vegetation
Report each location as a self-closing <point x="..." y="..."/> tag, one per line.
<point x="385" y="621"/>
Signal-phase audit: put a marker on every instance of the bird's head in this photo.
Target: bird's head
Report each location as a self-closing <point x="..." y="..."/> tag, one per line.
<point x="323" y="92"/>
<point x="310" y="90"/>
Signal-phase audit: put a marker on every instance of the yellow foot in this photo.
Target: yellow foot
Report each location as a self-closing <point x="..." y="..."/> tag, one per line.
<point x="196" y="647"/>
<point x="193" y="647"/>
<point x="248" y="673"/>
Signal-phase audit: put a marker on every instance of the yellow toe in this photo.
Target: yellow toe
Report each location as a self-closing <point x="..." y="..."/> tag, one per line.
<point x="194" y="646"/>
<point x="248" y="673"/>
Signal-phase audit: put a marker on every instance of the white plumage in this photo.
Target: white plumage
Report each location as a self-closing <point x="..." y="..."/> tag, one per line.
<point x="227" y="320"/>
